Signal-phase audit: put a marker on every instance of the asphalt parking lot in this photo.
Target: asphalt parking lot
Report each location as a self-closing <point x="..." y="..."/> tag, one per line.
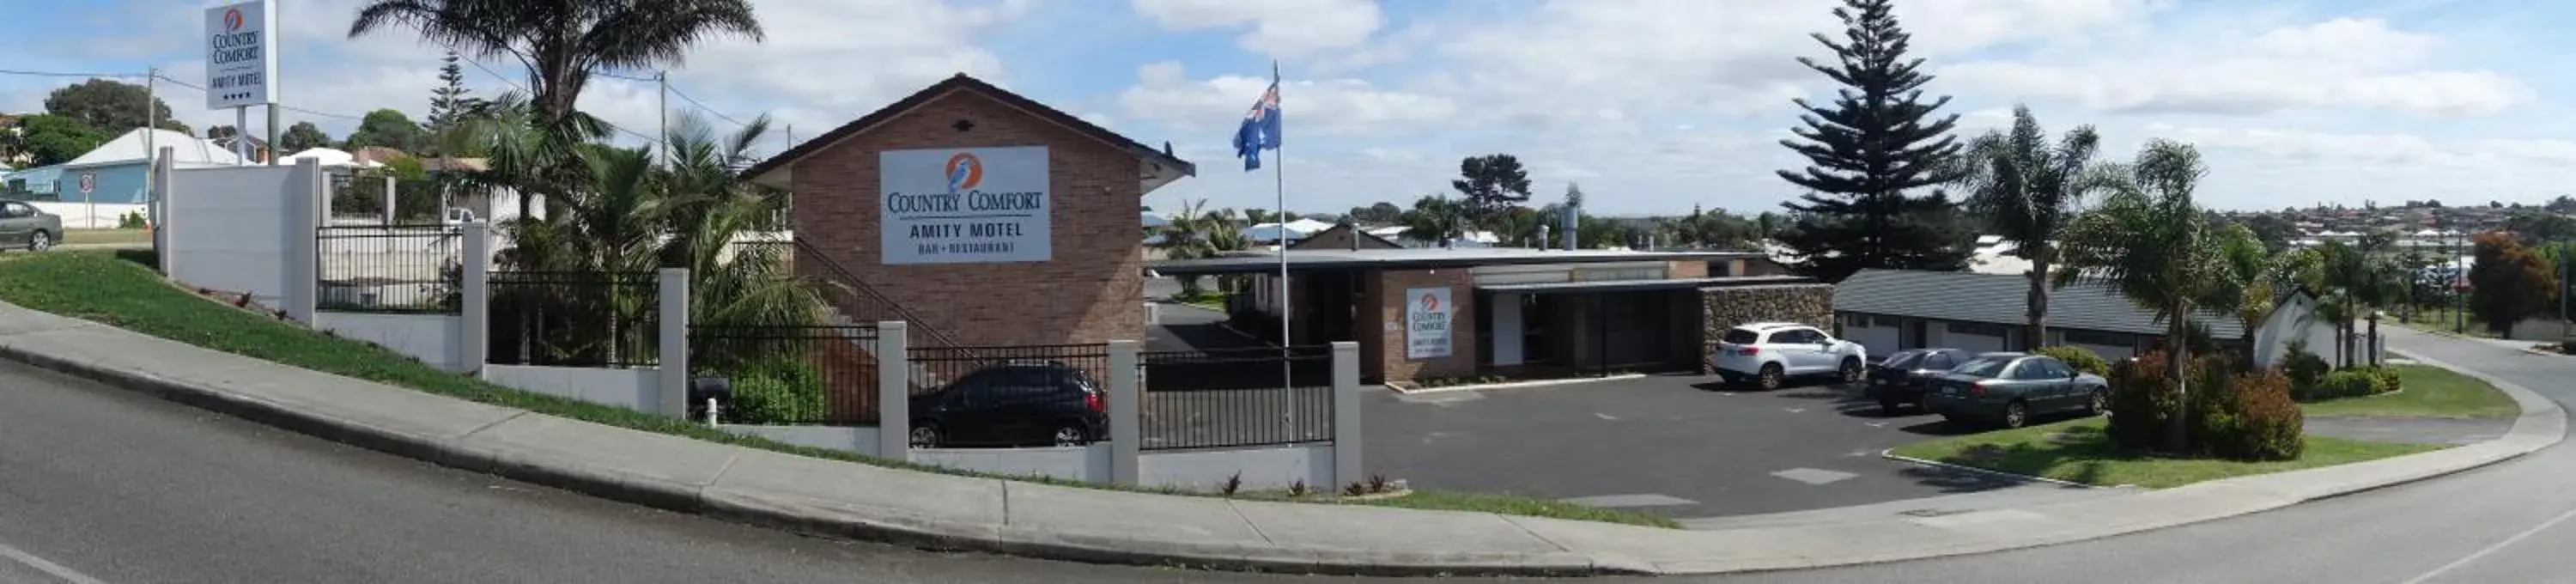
<point x="1677" y="445"/>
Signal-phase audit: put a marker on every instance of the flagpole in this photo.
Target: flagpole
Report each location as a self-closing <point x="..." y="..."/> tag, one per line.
<point x="1279" y="184"/>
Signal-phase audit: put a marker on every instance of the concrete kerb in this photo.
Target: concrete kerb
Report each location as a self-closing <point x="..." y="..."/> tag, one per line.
<point x="1399" y="387"/>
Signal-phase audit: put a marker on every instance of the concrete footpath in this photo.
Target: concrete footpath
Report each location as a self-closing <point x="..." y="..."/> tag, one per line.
<point x="951" y="512"/>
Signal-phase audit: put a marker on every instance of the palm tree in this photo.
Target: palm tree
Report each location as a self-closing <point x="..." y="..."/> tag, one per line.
<point x="562" y="43"/>
<point x="2028" y="189"/>
<point x="2150" y="242"/>
<point x="2354" y="277"/>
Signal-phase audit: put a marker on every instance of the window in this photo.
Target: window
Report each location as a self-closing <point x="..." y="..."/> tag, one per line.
<point x="1983" y="367"/>
<point x="1797" y="336"/>
<point x="1741" y="336"/>
<point x="1888" y="321"/>
<point x="2094" y="338"/>
<point x="2038" y="368"/>
<point x="1939" y="361"/>
<point x="16" y="210"/>
<point x="1976" y="328"/>
<point x="1905" y="359"/>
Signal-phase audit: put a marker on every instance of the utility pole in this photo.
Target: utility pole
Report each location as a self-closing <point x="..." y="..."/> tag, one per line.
<point x="151" y="153"/>
<point x="663" y="107"/>
<point x="2459" y="275"/>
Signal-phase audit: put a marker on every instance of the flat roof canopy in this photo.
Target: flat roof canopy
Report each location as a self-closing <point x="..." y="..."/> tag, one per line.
<point x="1640" y="285"/>
<point x="1335" y="259"/>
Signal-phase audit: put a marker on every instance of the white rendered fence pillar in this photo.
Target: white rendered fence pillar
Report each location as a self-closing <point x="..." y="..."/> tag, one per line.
<point x="474" y="283"/>
<point x="307" y="188"/>
<point x="1126" y="413"/>
<point x="159" y="209"/>
<point x="672" y="375"/>
<point x="1346" y="415"/>
<point x="894" y="393"/>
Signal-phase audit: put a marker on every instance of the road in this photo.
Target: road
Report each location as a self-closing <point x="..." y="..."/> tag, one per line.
<point x="97" y="485"/>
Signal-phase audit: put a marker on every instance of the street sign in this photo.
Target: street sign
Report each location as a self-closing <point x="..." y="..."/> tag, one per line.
<point x="89" y="182"/>
<point x="241" y="57"/>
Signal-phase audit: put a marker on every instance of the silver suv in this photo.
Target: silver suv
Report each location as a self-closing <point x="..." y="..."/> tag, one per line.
<point x="1767" y="353"/>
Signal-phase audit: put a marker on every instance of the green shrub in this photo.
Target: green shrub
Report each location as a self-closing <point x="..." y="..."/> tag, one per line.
<point x="2342" y="384"/>
<point x="2384" y="380"/>
<point x="2263" y="422"/>
<point x="130" y="220"/>
<point x="2082" y="359"/>
<point x="2142" y="400"/>
<point x="778" y="392"/>
<point x="2304" y="368"/>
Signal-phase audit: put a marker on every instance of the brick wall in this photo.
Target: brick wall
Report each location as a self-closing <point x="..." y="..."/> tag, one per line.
<point x="1723" y="308"/>
<point x="1382" y="349"/>
<point x="1090" y="291"/>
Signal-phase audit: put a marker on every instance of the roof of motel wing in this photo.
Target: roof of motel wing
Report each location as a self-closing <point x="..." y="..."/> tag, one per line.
<point x="961" y="82"/>
<point x="1433" y="257"/>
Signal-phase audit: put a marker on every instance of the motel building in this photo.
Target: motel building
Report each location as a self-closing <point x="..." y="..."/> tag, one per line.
<point x="984" y="218"/>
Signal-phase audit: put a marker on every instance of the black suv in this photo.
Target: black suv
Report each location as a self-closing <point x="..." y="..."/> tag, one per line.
<point x="1013" y="404"/>
<point x="1903" y="376"/>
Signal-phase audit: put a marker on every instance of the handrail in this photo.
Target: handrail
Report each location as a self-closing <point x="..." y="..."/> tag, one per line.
<point x="843" y="276"/>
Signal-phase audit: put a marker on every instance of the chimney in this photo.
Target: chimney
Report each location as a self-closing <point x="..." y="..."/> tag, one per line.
<point x="1571" y="219"/>
<point x="1542" y="238"/>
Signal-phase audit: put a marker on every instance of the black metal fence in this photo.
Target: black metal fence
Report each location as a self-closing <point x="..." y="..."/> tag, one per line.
<point x="1237" y="397"/>
<point x="936" y="367"/>
<point x="575" y="319"/>
<point x="792" y="374"/>
<point x="389" y="268"/>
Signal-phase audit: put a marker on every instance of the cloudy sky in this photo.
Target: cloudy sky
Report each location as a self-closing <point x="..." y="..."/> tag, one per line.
<point x="1651" y="105"/>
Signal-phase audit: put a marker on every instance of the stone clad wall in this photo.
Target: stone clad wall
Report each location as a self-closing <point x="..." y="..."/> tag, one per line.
<point x="1723" y="308"/>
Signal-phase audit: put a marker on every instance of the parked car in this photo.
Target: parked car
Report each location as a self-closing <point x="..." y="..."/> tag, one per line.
<point x="1015" y="403"/>
<point x="1902" y="377"/>
<point x="2008" y="388"/>
<point x="24" y="224"/>
<point x="1768" y="353"/>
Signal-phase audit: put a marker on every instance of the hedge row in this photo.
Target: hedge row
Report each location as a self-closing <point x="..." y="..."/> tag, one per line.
<point x="2225" y="414"/>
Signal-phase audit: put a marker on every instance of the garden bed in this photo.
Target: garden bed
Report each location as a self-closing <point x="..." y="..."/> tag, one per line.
<point x="2078" y="451"/>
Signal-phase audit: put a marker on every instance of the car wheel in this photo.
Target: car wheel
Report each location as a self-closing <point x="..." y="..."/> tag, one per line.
<point x="2099" y="404"/>
<point x="1771" y="378"/>
<point x="40" y="241"/>
<point x="2016" y="414"/>
<point x="1068" y="434"/>
<point x="925" y="435"/>
<point x="1851" y="370"/>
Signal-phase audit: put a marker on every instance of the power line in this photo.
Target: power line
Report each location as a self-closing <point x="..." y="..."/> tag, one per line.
<point x="703" y="107"/>
<point x="65" y="73"/>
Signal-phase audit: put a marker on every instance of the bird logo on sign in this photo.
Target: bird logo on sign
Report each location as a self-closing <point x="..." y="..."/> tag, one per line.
<point x="965" y="172"/>
<point x="1430" y="303"/>
<point x="232" y="20"/>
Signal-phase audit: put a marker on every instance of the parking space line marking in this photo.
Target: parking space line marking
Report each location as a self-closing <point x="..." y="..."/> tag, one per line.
<point x="1814" y="476"/>
<point x="1606" y="416"/>
<point x="1619" y="501"/>
<point x="1795" y="410"/>
<point x="57" y="570"/>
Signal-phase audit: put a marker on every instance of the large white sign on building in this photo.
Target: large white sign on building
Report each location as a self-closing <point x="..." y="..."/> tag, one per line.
<point x="1426" y="323"/>
<point x="965" y="205"/>
<point x="241" y="57"/>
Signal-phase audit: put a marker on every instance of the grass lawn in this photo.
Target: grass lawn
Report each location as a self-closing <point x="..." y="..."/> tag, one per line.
<point x="103" y="288"/>
<point x="2430" y="392"/>
<point x="2077" y="451"/>
<point x="89" y="236"/>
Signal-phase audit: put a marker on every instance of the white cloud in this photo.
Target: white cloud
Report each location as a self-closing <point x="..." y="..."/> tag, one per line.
<point x="1283" y="28"/>
<point x="2338" y="63"/>
<point x="1164" y="93"/>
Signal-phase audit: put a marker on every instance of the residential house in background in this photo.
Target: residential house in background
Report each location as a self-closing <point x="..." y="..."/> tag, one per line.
<point x="108" y="182"/>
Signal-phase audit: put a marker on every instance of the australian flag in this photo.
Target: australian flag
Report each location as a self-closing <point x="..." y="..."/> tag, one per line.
<point x="1260" y="129"/>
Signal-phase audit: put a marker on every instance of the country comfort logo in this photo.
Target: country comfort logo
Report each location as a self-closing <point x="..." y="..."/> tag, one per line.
<point x="232" y="20"/>
<point x="965" y="172"/>
<point x="1430" y="303"/>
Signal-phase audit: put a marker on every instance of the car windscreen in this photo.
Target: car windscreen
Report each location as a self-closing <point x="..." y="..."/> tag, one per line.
<point x="1904" y="360"/>
<point x="1741" y="336"/>
<point x="1983" y="367"/>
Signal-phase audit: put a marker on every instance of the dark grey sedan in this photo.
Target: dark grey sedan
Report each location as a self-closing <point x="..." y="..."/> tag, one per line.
<point x="2008" y="388"/>
<point x="22" y="224"/>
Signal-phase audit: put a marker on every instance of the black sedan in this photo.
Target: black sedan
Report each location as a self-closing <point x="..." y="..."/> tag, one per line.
<point x="1902" y="377"/>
